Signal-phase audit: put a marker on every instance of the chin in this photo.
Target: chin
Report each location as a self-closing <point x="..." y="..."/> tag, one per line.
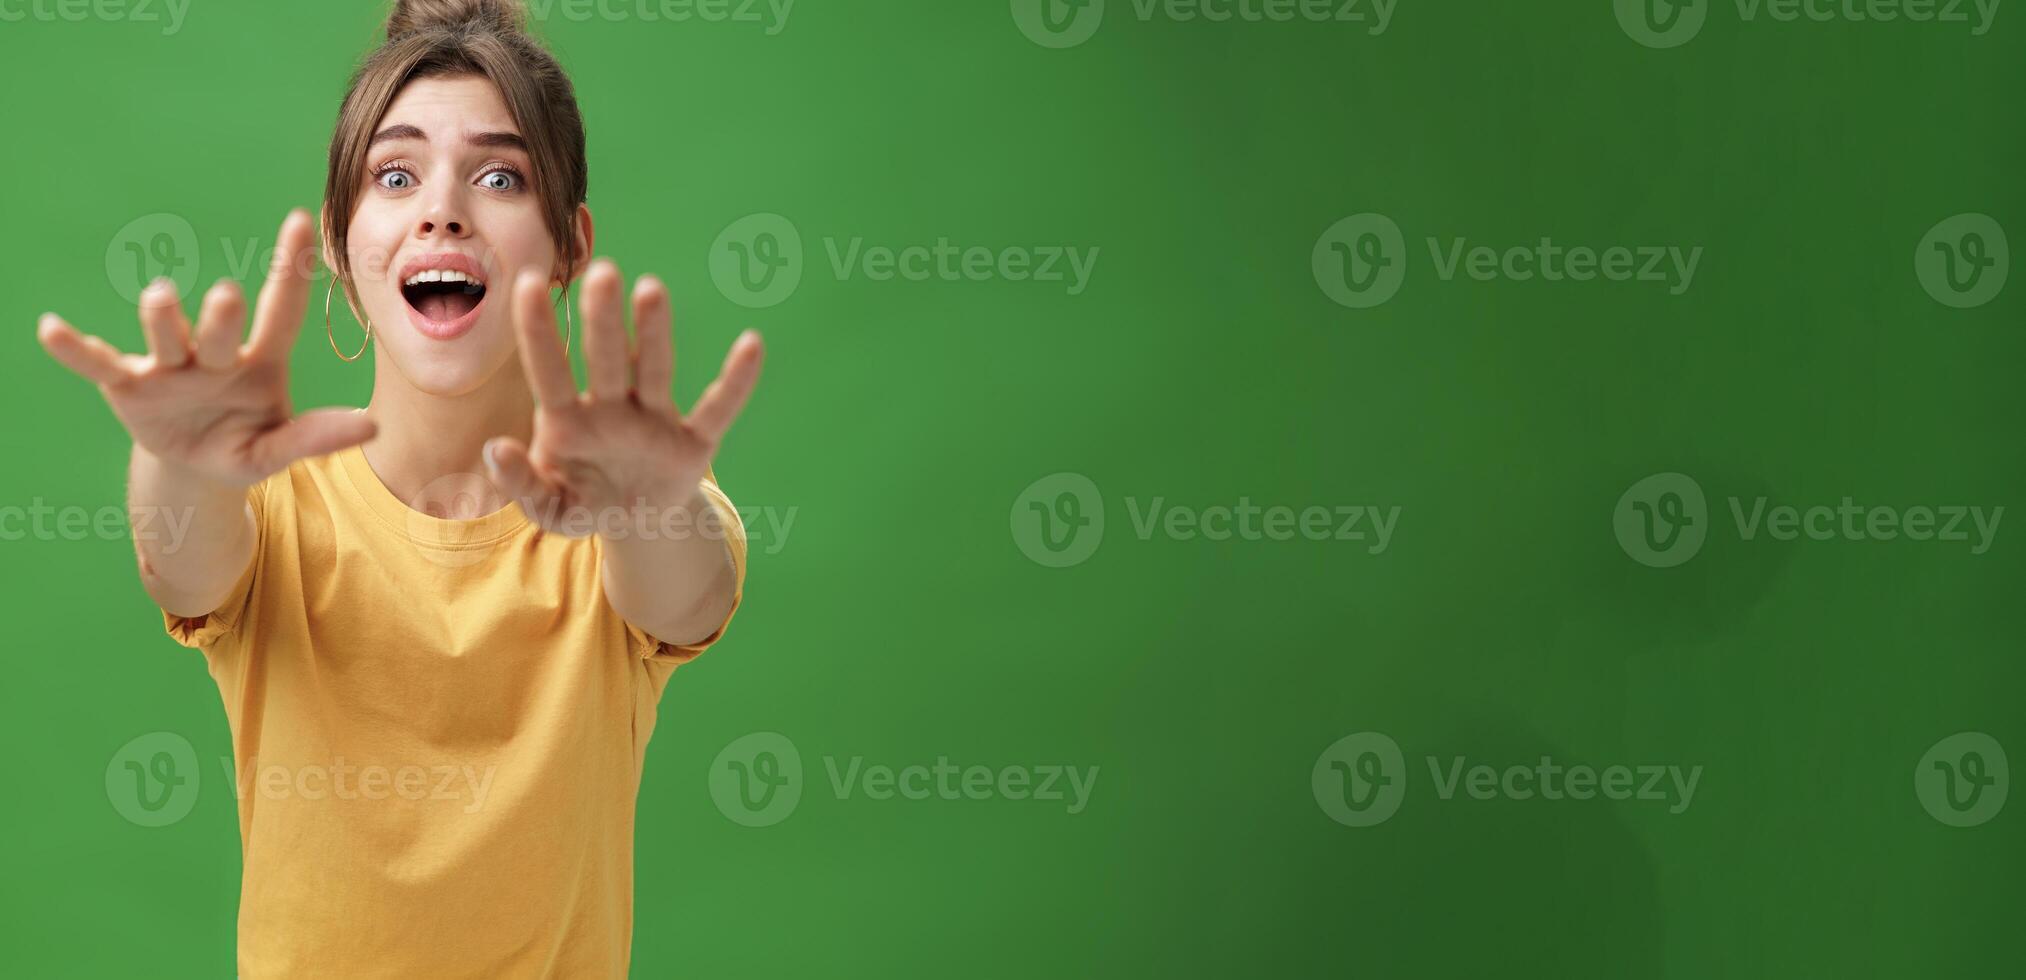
<point x="453" y="369"/>
<point x="446" y="367"/>
<point x="446" y="384"/>
<point x="447" y="339"/>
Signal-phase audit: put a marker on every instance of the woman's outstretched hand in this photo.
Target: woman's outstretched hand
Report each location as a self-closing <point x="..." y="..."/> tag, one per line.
<point x="204" y="403"/>
<point x="621" y="443"/>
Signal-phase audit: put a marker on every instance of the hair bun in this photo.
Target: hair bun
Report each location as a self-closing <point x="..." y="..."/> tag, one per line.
<point x="410" y="16"/>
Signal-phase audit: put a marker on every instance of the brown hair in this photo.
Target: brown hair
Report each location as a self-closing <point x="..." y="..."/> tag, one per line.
<point x="487" y="38"/>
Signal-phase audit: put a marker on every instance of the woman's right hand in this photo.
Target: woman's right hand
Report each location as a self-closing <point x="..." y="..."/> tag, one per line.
<point x="207" y="405"/>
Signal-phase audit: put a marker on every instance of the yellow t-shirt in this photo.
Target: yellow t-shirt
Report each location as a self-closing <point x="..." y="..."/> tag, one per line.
<point x="437" y="728"/>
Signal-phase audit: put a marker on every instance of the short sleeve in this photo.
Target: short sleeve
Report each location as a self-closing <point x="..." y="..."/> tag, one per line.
<point x="654" y="650"/>
<point x="203" y="632"/>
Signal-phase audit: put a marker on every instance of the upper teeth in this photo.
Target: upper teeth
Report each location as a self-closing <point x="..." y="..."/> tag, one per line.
<point x="439" y="275"/>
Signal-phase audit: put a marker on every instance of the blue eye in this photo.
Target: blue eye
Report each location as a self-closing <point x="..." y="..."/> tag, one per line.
<point x="500" y="180"/>
<point x="395" y="180"/>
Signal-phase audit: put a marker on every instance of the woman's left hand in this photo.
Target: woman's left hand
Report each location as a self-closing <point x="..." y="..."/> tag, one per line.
<point x="621" y="442"/>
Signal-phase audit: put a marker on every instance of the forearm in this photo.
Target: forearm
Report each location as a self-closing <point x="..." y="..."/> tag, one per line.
<point x="193" y="536"/>
<point x="670" y="571"/>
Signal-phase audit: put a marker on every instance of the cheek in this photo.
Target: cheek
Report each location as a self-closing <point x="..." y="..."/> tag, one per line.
<point x="520" y="239"/>
<point x="370" y="244"/>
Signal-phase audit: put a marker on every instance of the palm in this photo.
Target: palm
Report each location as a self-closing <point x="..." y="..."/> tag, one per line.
<point x="622" y="440"/>
<point x="608" y="454"/>
<point x="212" y="421"/>
<point x="201" y="399"/>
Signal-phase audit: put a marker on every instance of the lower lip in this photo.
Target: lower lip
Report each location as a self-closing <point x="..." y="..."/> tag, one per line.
<point x="446" y="329"/>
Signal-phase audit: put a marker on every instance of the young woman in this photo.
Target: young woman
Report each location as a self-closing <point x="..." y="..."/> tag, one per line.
<point x="438" y="711"/>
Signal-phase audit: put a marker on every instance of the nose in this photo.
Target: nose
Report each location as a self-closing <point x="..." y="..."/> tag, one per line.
<point x="443" y="216"/>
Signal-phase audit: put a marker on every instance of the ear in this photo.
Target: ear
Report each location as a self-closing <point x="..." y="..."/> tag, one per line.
<point x="582" y="230"/>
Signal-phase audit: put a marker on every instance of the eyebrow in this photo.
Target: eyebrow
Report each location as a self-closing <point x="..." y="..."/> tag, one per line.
<point x="403" y="131"/>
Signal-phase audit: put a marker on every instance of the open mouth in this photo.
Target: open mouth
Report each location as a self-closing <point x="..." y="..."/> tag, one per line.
<point x="443" y="296"/>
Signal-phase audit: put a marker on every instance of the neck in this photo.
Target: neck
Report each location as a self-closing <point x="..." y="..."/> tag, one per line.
<point x="426" y="437"/>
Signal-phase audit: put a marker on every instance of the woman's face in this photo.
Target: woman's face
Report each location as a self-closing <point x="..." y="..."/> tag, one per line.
<point x="447" y="218"/>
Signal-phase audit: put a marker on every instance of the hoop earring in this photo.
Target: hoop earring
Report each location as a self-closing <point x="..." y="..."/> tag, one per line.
<point x="333" y="336"/>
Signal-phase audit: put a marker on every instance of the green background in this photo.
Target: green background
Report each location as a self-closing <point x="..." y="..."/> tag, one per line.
<point x="899" y="621"/>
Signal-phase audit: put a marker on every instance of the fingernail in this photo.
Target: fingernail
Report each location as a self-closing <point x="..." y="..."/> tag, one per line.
<point x="490" y="453"/>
